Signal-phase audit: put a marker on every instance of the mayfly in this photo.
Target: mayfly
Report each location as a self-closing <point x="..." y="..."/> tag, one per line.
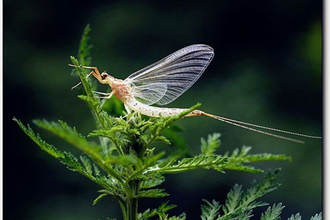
<point x="164" y="81"/>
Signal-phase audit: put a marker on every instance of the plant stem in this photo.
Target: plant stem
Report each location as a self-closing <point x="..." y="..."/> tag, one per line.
<point x="132" y="202"/>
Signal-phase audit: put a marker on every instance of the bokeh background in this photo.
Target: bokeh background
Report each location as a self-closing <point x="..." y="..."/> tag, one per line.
<point x="267" y="70"/>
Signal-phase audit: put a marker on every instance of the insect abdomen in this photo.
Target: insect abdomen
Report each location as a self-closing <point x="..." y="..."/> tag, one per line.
<point x="152" y="111"/>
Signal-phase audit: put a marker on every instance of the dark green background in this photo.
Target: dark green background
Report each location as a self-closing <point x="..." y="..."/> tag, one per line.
<point x="267" y="70"/>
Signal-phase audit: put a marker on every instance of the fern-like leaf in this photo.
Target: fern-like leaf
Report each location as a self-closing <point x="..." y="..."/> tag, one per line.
<point x="239" y="158"/>
<point x="273" y="213"/>
<point x="161" y="211"/>
<point x="295" y="217"/>
<point x="151" y="179"/>
<point x="210" y="211"/>
<point x="84" y="52"/>
<point x="70" y="160"/>
<point x="198" y="162"/>
<point x="239" y="204"/>
<point x="209" y="146"/>
<point x="41" y="143"/>
<point x="317" y="216"/>
<point x="245" y="215"/>
<point x="152" y="193"/>
<point x="234" y="198"/>
<point x="64" y="131"/>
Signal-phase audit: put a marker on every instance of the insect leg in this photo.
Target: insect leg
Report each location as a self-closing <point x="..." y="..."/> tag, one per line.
<point x="128" y="110"/>
<point x="106" y="95"/>
<point x="73" y="87"/>
<point x="102" y="93"/>
<point x="96" y="73"/>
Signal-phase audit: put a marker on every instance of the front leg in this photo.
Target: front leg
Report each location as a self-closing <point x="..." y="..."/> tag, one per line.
<point x="96" y="73"/>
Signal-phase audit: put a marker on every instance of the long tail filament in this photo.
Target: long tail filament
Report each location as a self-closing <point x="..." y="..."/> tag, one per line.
<point x="248" y="126"/>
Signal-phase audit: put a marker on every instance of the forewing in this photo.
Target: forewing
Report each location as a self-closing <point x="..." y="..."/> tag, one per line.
<point x="178" y="71"/>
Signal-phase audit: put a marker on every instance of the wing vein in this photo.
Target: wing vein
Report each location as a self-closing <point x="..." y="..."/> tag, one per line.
<point x="164" y="81"/>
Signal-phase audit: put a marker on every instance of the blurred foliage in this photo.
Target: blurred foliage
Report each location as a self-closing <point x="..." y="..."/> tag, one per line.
<point x="267" y="70"/>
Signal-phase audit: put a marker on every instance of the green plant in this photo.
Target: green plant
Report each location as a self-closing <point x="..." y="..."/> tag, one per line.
<point x="127" y="165"/>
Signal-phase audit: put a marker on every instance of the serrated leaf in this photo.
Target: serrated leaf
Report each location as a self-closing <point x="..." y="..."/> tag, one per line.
<point x="267" y="157"/>
<point x="152" y="193"/>
<point x="87" y="164"/>
<point x="65" y="158"/>
<point x="295" y="217"/>
<point x="62" y="130"/>
<point x="84" y="52"/>
<point x="233" y="199"/>
<point x="70" y="135"/>
<point x="239" y="204"/>
<point x="163" y="139"/>
<point x="146" y="165"/>
<point x="160" y="211"/>
<point x="210" y="211"/>
<point x="215" y="162"/>
<point x="151" y="179"/>
<point x="242" y="167"/>
<point x="50" y="149"/>
<point x="209" y="146"/>
<point x="317" y="216"/>
<point x="245" y="215"/>
<point x="273" y="213"/>
<point x="180" y="217"/>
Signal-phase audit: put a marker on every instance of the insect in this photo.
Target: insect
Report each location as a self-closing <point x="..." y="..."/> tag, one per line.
<point x="164" y="81"/>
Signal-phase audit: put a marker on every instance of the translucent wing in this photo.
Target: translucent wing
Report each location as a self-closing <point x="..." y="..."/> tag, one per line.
<point x="149" y="93"/>
<point x="165" y="80"/>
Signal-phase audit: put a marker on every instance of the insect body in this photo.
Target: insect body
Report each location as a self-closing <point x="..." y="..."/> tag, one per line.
<point x="164" y="81"/>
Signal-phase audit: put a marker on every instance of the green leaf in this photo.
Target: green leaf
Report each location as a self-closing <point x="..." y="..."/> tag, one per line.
<point x="97" y="200"/>
<point x="215" y="162"/>
<point x="84" y="55"/>
<point x="210" y="211"/>
<point x="146" y="165"/>
<point x="84" y="52"/>
<point x="151" y="179"/>
<point x="152" y="193"/>
<point x="160" y="211"/>
<point x="317" y="216"/>
<point x="245" y="215"/>
<point x="242" y="167"/>
<point x="267" y="157"/>
<point x="295" y="217"/>
<point x="68" y="159"/>
<point x="87" y="164"/>
<point x="239" y="158"/>
<point x="234" y="198"/>
<point x="209" y="146"/>
<point x="273" y="213"/>
<point x="50" y="149"/>
<point x="239" y="204"/>
<point x="180" y="217"/>
<point x="64" y="131"/>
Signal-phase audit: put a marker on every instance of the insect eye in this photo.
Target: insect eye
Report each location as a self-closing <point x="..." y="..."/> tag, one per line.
<point x="104" y="74"/>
